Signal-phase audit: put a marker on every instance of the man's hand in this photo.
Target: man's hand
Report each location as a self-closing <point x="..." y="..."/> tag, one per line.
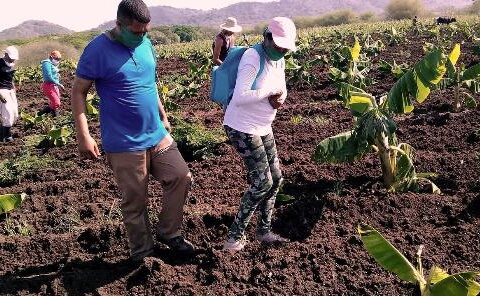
<point x="274" y="100"/>
<point x="88" y="148"/>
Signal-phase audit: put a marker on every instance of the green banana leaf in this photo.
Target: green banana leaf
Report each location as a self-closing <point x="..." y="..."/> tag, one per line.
<point x="355" y="50"/>
<point x="360" y="102"/>
<point x="343" y="147"/>
<point x="416" y="83"/>
<point x="471" y="73"/>
<point x="281" y="197"/>
<point x="58" y="133"/>
<point x="436" y="275"/>
<point x="405" y="167"/>
<point x="90" y="108"/>
<point x="455" y="54"/>
<point x="470" y="101"/>
<point x="9" y="202"/>
<point x="460" y="284"/>
<point x="344" y="90"/>
<point x="387" y="255"/>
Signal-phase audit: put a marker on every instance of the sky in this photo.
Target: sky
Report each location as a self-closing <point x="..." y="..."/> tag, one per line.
<point x="81" y="15"/>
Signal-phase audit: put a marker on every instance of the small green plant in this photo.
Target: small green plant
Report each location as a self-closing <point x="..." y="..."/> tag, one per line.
<point x="397" y="70"/>
<point x="351" y="69"/>
<point x="91" y="104"/>
<point x="296" y="119"/>
<point x="9" y="202"/>
<point x="167" y="102"/>
<point x="56" y="137"/>
<point x="195" y="140"/>
<point x="22" y="165"/>
<point x="12" y="227"/>
<point x="464" y="81"/>
<point x="300" y="73"/>
<point x="394" y="37"/>
<point x="321" y="120"/>
<point x="31" y="121"/>
<point x="438" y="282"/>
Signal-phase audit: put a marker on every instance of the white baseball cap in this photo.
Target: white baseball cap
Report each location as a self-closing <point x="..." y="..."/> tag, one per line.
<point x="283" y="32"/>
<point x="12" y="52"/>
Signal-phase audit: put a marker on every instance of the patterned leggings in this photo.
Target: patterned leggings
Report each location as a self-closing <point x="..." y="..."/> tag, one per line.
<point x="265" y="178"/>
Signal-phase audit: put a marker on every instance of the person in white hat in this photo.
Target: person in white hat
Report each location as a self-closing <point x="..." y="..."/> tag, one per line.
<point x="225" y="40"/>
<point x="248" y="124"/>
<point x="8" y="97"/>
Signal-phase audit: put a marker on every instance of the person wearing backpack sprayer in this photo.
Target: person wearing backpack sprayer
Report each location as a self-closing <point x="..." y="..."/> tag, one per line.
<point x="51" y="83"/>
<point x="225" y="40"/>
<point x="258" y="93"/>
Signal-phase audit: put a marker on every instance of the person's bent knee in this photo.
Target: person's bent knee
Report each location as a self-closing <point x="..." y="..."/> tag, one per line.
<point x="262" y="187"/>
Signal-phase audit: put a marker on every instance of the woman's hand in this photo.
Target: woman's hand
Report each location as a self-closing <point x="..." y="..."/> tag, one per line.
<point x="275" y="101"/>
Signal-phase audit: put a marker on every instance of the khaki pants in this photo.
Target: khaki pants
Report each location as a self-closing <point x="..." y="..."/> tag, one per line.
<point x="131" y="171"/>
<point x="9" y="109"/>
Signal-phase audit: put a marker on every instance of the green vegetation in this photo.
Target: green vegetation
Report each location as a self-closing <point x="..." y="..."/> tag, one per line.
<point x="374" y="128"/>
<point x="9" y="202"/>
<point x="438" y="282"/>
<point x="21" y="166"/>
<point x="195" y="140"/>
<point x="404" y="9"/>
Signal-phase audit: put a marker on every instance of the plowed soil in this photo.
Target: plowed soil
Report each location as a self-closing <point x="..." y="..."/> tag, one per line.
<point x="78" y="244"/>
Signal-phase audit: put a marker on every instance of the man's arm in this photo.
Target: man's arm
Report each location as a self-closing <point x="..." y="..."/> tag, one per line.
<point x="86" y="144"/>
<point x="216" y="51"/>
<point x="163" y="116"/>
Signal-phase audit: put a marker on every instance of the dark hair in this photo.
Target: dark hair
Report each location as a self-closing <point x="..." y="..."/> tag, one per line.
<point x="130" y="10"/>
<point x="267" y="34"/>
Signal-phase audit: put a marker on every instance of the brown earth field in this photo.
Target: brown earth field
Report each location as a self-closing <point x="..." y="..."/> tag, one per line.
<point x="77" y="244"/>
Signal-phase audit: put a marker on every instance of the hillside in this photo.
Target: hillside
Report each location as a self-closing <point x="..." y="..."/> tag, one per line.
<point x="33" y="28"/>
<point x="250" y="13"/>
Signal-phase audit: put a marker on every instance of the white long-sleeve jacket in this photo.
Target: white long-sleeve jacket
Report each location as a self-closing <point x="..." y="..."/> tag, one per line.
<point x="249" y="110"/>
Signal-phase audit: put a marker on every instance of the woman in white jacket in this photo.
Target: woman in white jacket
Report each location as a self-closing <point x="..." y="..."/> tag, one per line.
<point x="248" y="124"/>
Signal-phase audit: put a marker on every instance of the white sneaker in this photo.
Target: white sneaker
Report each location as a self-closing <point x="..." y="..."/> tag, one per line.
<point x="235" y="245"/>
<point x="270" y="237"/>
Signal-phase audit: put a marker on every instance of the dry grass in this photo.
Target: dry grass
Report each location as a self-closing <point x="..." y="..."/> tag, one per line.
<point x="33" y="53"/>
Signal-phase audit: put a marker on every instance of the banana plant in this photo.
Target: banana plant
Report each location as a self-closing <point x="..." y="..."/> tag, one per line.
<point x="167" y="102"/>
<point x="9" y="202"/>
<point x="301" y="74"/>
<point x="397" y="70"/>
<point x="394" y="37"/>
<point x="56" y="137"/>
<point x="464" y="81"/>
<point x="91" y="104"/>
<point x="437" y="283"/>
<point x="31" y="121"/>
<point x="352" y="68"/>
<point x="370" y="47"/>
<point x="374" y="128"/>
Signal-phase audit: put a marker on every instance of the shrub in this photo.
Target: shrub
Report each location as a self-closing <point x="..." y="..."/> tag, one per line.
<point x="404" y="9"/>
<point x="33" y="53"/>
<point x="330" y="19"/>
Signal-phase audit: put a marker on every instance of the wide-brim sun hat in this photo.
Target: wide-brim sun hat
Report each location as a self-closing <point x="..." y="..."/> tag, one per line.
<point x="12" y="52"/>
<point x="231" y="25"/>
<point x="284" y="32"/>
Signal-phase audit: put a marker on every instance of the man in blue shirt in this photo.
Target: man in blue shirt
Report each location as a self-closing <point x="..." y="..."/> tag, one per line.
<point x="134" y="128"/>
